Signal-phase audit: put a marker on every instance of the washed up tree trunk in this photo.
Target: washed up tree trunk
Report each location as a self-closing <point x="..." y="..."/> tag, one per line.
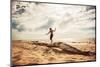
<point x="65" y="48"/>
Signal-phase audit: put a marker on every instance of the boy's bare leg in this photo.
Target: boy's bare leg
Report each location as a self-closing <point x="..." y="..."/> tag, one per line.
<point x="51" y="41"/>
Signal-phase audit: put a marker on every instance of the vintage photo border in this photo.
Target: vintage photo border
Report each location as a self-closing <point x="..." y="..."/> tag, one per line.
<point x="11" y="63"/>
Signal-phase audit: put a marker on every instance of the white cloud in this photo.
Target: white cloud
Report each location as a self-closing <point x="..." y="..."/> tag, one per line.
<point x="70" y="20"/>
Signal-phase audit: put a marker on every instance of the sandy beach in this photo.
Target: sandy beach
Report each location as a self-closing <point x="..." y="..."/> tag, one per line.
<point x="34" y="52"/>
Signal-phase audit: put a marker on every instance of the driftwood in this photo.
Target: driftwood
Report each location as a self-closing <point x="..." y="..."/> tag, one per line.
<point x="66" y="48"/>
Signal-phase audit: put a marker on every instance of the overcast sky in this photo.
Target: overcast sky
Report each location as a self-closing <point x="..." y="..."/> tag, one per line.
<point x="32" y="20"/>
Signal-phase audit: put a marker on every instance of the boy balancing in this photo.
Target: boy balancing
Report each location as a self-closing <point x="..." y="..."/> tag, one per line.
<point x="51" y="34"/>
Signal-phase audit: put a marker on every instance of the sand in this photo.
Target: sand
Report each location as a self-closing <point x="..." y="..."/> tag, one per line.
<point x="34" y="52"/>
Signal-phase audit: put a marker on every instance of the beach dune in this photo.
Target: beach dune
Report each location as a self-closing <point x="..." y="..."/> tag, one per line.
<point x="35" y="52"/>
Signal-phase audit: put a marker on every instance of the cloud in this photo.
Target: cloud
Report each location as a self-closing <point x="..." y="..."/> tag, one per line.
<point x="90" y="8"/>
<point x="46" y="26"/>
<point x="17" y="26"/>
<point x="89" y="28"/>
<point x="70" y="21"/>
<point x="14" y="24"/>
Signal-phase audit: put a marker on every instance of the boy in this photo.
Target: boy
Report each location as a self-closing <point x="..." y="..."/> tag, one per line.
<point x="51" y="33"/>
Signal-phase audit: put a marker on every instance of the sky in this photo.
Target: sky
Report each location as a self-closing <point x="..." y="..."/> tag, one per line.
<point x="32" y="21"/>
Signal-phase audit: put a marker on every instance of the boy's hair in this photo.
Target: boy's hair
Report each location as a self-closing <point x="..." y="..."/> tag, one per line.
<point x="50" y="28"/>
